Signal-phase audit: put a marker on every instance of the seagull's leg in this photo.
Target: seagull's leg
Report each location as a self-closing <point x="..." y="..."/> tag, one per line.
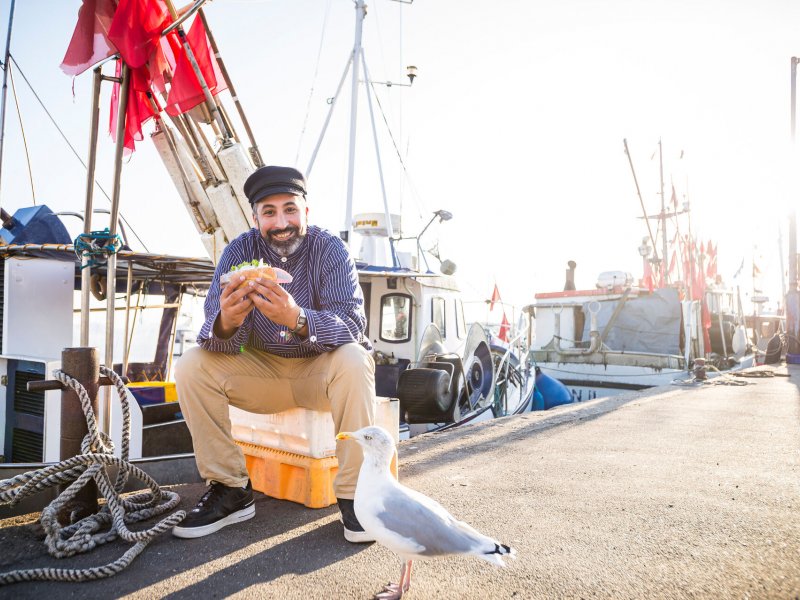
<point x="408" y="576"/>
<point x="394" y="591"/>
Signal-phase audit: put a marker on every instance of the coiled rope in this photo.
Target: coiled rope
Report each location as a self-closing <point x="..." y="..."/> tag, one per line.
<point x="96" y="455"/>
<point x="97" y="246"/>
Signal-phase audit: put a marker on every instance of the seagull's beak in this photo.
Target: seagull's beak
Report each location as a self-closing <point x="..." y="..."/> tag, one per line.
<point x="345" y="435"/>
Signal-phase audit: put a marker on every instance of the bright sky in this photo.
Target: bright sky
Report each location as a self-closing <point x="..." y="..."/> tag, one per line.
<point x="515" y="124"/>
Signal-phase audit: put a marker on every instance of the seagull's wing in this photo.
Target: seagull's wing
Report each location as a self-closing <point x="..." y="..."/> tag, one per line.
<point x="424" y="524"/>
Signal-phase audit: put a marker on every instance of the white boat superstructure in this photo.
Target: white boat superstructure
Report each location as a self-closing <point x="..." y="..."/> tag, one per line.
<point x="622" y="337"/>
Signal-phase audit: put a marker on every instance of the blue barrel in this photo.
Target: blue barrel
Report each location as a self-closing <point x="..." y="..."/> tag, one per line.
<point x="554" y="393"/>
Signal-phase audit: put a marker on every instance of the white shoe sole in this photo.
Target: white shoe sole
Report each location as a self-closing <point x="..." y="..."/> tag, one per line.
<point x="195" y="532"/>
<point x="357" y="537"/>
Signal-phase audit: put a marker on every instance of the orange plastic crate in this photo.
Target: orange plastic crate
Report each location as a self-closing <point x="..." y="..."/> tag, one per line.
<point x="287" y="476"/>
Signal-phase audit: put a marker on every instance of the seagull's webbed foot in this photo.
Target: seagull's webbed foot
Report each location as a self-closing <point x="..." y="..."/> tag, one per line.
<point x="394" y="591"/>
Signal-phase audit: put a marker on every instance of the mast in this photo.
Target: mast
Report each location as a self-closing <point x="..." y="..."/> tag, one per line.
<point x="361" y="11"/>
<point x="641" y="201"/>
<point x="792" y="297"/>
<point x="664" y="250"/>
<point x="5" y="85"/>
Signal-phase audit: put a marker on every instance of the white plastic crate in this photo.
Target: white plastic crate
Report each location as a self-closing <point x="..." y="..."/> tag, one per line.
<point x="303" y="431"/>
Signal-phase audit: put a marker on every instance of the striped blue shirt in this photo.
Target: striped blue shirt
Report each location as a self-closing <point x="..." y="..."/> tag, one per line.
<point x="324" y="283"/>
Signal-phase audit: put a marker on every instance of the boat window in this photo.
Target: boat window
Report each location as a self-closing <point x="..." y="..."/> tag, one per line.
<point x="396" y="318"/>
<point x="437" y="315"/>
<point x="461" y="323"/>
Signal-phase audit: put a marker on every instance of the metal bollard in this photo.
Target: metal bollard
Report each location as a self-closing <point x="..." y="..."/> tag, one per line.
<point x="700" y="369"/>
<point x="81" y="364"/>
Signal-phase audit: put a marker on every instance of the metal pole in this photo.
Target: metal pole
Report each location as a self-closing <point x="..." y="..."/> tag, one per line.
<point x="639" y="193"/>
<point x="793" y="96"/>
<point x="126" y="348"/>
<point x="389" y="229"/>
<point x="328" y="117"/>
<point x="793" y="296"/>
<point x="86" y="272"/>
<point x="209" y="99"/>
<point x="254" y="151"/>
<point x="111" y="269"/>
<point x="664" y="252"/>
<point x="361" y="10"/>
<point x="173" y="337"/>
<point x="5" y="85"/>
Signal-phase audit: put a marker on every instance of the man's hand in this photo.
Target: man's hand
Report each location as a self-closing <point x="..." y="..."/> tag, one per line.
<point x="274" y="302"/>
<point x="235" y="304"/>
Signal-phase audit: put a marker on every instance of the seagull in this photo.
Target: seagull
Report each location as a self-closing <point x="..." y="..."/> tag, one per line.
<point x="408" y="523"/>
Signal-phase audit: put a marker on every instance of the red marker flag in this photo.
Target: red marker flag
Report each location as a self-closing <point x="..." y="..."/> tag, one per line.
<point x="505" y="326"/>
<point x="186" y="92"/>
<point x="90" y="42"/>
<point x="136" y="29"/>
<point x="495" y="297"/>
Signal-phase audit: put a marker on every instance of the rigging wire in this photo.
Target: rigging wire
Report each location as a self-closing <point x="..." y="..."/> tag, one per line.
<point x="313" y="82"/>
<point x="71" y="147"/>
<point x="417" y="197"/>
<point x="22" y="131"/>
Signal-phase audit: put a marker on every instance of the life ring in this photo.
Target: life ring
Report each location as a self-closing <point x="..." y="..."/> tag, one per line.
<point x="98" y="285"/>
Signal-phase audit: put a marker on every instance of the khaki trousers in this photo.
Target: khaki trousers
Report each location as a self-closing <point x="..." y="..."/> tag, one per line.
<point x="341" y="381"/>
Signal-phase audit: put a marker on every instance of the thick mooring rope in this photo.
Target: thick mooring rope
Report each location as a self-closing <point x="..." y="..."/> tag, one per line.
<point x="93" y="462"/>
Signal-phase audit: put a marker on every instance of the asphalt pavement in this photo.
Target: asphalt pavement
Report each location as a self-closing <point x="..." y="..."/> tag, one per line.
<point x="685" y="491"/>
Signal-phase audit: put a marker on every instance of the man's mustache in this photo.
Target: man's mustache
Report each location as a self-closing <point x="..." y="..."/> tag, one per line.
<point x="290" y="228"/>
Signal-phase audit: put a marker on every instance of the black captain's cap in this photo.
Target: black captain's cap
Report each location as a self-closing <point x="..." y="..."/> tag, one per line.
<point x="266" y="181"/>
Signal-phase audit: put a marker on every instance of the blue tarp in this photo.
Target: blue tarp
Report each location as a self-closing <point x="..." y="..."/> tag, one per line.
<point x="649" y="323"/>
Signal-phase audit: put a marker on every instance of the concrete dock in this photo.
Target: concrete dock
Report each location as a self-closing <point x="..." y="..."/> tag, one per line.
<point x="686" y="491"/>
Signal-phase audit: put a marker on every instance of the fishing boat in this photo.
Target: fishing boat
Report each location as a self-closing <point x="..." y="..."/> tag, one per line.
<point x="443" y="372"/>
<point x="626" y="334"/>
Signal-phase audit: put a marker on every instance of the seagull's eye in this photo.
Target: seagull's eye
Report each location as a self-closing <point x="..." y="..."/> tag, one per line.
<point x="367" y="437"/>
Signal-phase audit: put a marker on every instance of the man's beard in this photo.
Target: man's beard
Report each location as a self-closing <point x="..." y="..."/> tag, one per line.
<point x="285" y="247"/>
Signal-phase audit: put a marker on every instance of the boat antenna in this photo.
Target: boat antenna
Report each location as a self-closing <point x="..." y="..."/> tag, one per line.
<point x="5" y="85"/>
<point x="639" y="193"/>
<point x="791" y="299"/>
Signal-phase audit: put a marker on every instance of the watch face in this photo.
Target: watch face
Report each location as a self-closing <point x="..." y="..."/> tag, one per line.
<point x="301" y="320"/>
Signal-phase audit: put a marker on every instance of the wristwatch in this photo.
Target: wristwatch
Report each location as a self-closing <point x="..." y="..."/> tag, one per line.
<point x="301" y="321"/>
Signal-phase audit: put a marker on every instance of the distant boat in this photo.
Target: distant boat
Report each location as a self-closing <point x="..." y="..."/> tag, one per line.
<point x="626" y="335"/>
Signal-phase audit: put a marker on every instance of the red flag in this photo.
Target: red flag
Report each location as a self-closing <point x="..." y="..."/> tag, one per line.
<point x="673" y="262"/>
<point x="647" y="279"/>
<point x="495" y="297"/>
<point x="705" y="315"/>
<point x="699" y="283"/>
<point x="136" y="29"/>
<point x="139" y="107"/>
<point x="711" y="268"/>
<point x="186" y="92"/>
<point x="90" y="42"/>
<point x="505" y="326"/>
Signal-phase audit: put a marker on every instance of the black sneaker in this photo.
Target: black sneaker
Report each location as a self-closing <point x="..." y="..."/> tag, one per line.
<point x="219" y="506"/>
<point x="353" y="531"/>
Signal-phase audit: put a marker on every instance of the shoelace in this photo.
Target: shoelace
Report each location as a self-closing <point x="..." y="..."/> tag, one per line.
<point x="214" y="492"/>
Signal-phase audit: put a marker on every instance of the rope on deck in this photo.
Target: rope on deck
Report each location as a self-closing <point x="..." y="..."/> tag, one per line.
<point x="117" y="512"/>
<point x="724" y="378"/>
